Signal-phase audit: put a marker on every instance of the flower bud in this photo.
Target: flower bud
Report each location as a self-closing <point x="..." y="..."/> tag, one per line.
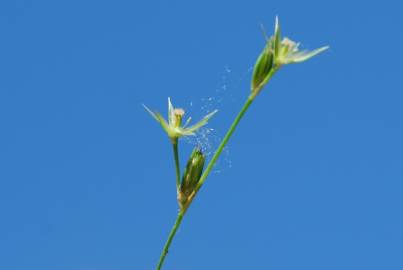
<point x="191" y="176"/>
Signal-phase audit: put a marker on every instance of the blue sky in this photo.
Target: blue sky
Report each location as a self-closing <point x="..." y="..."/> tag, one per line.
<point x="312" y="179"/>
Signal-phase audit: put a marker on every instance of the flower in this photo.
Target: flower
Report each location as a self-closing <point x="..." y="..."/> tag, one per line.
<point x="276" y="53"/>
<point x="174" y="127"/>
<point x="286" y="51"/>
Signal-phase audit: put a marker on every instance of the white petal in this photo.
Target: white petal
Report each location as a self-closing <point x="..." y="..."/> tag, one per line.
<point x="187" y="122"/>
<point x="305" y="55"/>
<point x="150" y="112"/>
<point x="201" y="122"/>
<point x="171" y="114"/>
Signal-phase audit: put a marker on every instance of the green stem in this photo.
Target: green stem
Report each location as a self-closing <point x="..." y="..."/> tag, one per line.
<point x="170" y="237"/>
<point x="176" y="157"/>
<point x="231" y="130"/>
<point x="223" y="143"/>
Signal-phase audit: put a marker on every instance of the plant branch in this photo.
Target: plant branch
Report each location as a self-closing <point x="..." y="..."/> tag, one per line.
<point x="208" y="169"/>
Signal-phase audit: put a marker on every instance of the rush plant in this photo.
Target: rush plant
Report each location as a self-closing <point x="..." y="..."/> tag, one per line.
<point x="277" y="52"/>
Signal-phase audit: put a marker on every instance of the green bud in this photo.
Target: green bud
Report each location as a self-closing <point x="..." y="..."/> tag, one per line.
<point x="263" y="66"/>
<point x="191" y="176"/>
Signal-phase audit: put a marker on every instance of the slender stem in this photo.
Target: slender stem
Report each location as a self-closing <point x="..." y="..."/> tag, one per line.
<point x="227" y="136"/>
<point x="176" y="157"/>
<point x="223" y="143"/>
<point x="170" y="237"/>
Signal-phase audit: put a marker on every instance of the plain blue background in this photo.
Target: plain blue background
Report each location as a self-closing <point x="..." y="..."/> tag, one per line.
<point x="311" y="180"/>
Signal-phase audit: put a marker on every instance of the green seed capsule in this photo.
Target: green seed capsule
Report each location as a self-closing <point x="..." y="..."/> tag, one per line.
<point x="262" y="67"/>
<point x="191" y="175"/>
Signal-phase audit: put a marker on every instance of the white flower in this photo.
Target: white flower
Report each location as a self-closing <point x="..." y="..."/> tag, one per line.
<point x="174" y="127"/>
<point x="286" y="51"/>
<point x="276" y="53"/>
